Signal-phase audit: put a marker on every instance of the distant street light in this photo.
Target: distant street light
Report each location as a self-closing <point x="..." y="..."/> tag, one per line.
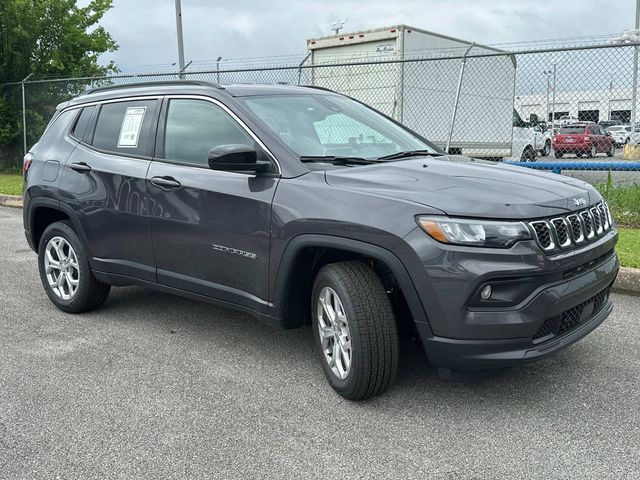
<point x="552" y="72"/>
<point x="180" y="39"/>
<point x="218" y="69"/>
<point x="547" y="73"/>
<point x="338" y="25"/>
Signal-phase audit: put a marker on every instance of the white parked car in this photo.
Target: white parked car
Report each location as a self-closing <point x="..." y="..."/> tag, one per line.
<point x="622" y="134"/>
<point x="566" y="120"/>
<point x="542" y="140"/>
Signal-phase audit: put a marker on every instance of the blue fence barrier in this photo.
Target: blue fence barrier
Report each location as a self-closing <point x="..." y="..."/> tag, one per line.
<point x="557" y="167"/>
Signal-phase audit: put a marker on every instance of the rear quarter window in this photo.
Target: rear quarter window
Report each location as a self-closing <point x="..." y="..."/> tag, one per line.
<point x="80" y="127"/>
<point x="126" y="128"/>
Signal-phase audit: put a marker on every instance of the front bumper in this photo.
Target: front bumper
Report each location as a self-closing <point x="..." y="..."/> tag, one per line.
<point x="458" y="336"/>
<point x="572" y="147"/>
<point x="473" y="355"/>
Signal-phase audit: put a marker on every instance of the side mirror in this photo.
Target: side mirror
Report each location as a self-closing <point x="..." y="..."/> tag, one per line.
<point x="236" y="158"/>
<point x="533" y="119"/>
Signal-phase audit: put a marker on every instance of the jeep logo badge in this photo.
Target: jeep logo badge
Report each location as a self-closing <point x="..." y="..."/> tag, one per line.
<point x="579" y="201"/>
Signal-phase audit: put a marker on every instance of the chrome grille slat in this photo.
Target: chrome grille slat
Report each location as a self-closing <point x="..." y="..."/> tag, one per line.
<point x="597" y="221"/>
<point x="574" y="229"/>
<point x="577" y="231"/>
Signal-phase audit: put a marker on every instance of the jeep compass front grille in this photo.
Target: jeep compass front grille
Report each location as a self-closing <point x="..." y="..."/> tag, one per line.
<point x="572" y="230"/>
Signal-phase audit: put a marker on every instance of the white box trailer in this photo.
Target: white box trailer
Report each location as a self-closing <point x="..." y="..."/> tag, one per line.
<point x="374" y="67"/>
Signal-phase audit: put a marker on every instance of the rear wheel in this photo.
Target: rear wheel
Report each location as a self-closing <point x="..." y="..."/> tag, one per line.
<point x="558" y="154"/>
<point x="65" y="272"/>
<point x="592" y="152"/>
<point x="355" y="330"/>
<point x="612" y="150"/>
<point x="547" y="149"/>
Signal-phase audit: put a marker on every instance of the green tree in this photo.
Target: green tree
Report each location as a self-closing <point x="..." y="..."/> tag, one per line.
<point x="49" y="38"/>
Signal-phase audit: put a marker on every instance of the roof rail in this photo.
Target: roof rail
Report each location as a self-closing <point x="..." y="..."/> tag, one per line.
<point x="155" y="83"/>
<point x="316" y="87"/>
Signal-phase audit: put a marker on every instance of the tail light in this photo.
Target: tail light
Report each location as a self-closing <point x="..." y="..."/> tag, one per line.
<point x="28" y="159"/>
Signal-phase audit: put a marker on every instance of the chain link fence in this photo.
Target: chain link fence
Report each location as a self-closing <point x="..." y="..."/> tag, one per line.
<point x="561" y="109"/>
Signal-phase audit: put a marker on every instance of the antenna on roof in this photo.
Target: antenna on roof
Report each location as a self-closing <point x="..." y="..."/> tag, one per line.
<point x="338" y="25"/>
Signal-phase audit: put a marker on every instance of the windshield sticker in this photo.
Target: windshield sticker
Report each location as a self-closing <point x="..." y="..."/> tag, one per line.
<point x="131" y="125"/>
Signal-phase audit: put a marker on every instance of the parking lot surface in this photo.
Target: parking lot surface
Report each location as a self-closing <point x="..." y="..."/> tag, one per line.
<point x="156" y="386"/>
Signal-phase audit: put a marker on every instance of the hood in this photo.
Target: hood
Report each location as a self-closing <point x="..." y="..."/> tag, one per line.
<point x="460" y="186"/>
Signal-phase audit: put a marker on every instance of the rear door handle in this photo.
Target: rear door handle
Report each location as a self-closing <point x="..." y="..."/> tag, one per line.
<point x="80" y="167"/>
<point x="165" y="182"/>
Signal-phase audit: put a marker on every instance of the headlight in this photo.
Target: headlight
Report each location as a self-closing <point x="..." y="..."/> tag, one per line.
<point x="480" y="233"/>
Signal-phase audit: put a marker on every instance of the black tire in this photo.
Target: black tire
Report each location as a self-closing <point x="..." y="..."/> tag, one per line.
<point x="592" y="152"/>
<point x="547" y="149"/>
<point x="372" y="328"/>
<point x="90" y="293"/>
<point x="558" y="154"/>
<point x="528" y="155"/>
<point x="612" y="150"/>
<point x="626" y="141"/>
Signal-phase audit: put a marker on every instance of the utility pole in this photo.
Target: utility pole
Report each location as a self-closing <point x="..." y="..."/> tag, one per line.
<point x="547" y="74"/>
<point x="180" y="40"/>
<point x="24" y="114"/>
<point x="553" y="99"/>
<point x="634" y="91"/>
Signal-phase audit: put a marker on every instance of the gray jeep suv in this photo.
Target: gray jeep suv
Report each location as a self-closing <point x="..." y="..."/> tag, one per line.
<point x="298" y="205"/>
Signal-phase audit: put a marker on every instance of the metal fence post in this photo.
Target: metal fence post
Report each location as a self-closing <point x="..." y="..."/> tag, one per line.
<point x="24" y="114"/>
<point x="634" y="91"/>
<point x="300" y="66"/>
<point x="457" y="99"/>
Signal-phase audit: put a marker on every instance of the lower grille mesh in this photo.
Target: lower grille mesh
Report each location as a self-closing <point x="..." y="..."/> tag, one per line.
<point x="570" y="319"/>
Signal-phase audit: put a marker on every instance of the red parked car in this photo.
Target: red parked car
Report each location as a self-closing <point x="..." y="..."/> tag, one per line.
<point x="583" y="139"/>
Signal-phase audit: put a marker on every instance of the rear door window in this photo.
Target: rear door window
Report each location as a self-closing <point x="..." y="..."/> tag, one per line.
<point x="126" y="128"/>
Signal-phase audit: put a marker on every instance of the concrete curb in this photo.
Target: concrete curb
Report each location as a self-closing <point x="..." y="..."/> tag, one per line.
<point x="11" y="201"/>
<point x="628" y="280"/>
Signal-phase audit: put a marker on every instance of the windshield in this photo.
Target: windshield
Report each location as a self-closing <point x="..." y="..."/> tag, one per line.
<point x="572" y="130"/>
<point x="330" y="125"/>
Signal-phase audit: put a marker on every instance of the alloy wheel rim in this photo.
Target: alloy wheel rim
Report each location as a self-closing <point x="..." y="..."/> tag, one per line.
<point x="593" y="150"/>
<point x="61" y="268"/>
<point x="335" y="335"/>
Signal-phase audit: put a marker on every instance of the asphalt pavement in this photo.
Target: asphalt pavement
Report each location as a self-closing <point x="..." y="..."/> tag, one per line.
<point x="156" y="386"/>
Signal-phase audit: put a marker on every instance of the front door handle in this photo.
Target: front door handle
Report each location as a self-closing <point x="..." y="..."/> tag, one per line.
<point x="165" y="182"/>
<point x="80" y="167"/>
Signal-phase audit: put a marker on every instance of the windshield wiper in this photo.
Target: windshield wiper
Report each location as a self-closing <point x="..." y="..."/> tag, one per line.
<point x="410" y="153"/>
<point x="338" y="160"/>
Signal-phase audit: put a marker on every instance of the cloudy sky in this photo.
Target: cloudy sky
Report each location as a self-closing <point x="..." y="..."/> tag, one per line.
<point x="145" y="29"/>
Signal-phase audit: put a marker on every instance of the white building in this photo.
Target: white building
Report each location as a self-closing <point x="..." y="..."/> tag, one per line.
<point x="589" y="105"/>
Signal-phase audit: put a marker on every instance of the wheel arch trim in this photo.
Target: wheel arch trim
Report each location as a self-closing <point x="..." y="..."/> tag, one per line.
<point x="36" y="203"/>
<point x="297" y="244"/>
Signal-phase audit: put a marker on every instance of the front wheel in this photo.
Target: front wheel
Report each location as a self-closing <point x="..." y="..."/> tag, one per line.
<point x="528" y="155"/>
<point x="355" y="330"/>
<point x="65" y="271"/>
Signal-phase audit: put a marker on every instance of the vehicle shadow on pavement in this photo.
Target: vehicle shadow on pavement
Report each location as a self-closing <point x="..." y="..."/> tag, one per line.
<point x="417" y="383"/>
